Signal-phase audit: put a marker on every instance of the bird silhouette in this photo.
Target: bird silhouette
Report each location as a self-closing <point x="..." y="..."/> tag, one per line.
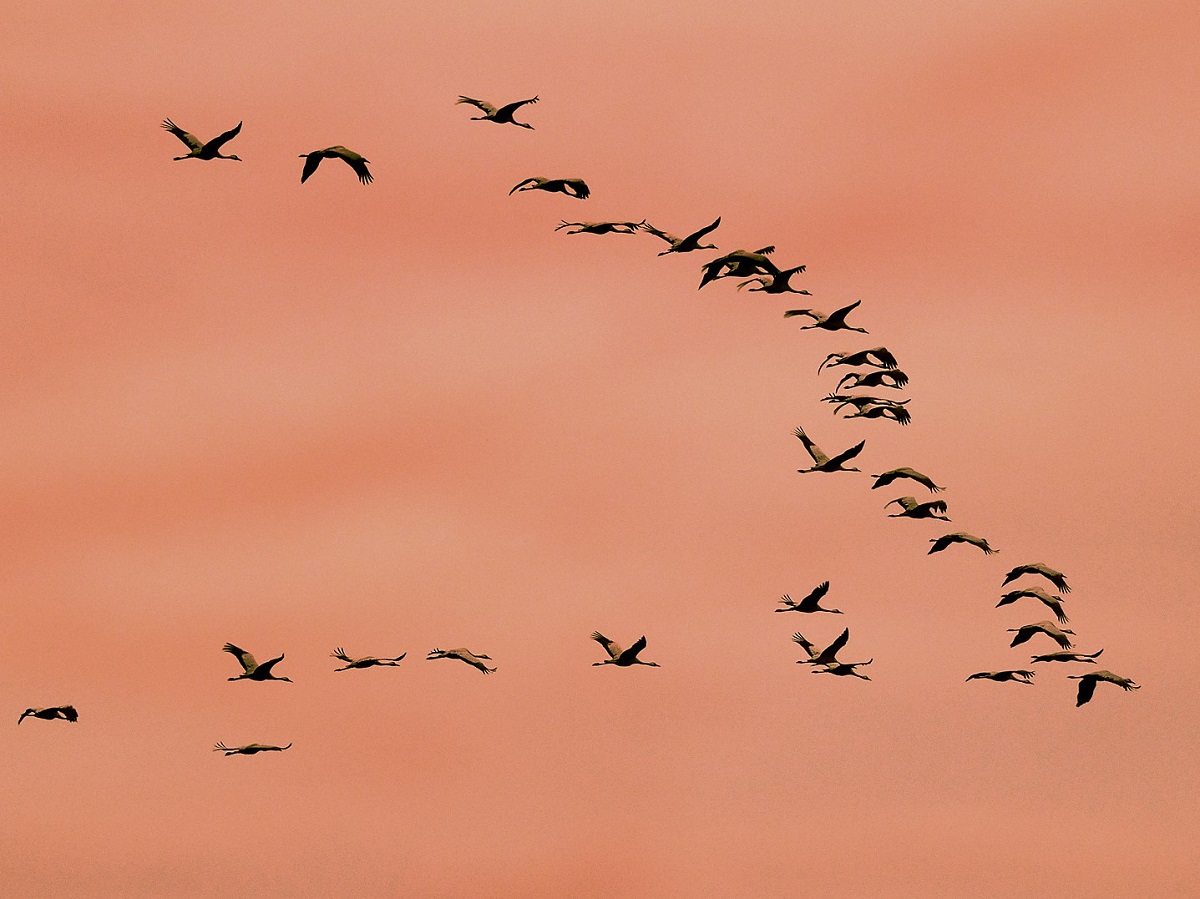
<point x="1057" y="578"/>
<point x="572" y="187"/>
<point x="502" y="115"/>
<point x="826" y="660"/>
<point x="1087" y="684"/>
<point x="940" y="543"/>
<point x="463" y="655"/>
<point x="352" y="159"/>
<point x="200" y="150"/>
<point x="833" y="321"/>
<point x="1026" y="631"/>
<point x="777" y="283"/>
<point x="876" y="357"/>
<point x="683" y="244"/>
<point x="364" y="661"/>
<point x="1064" y="656"/>
<point x="622" y="658"/>
<point x="1054" y="603"/>
<point x="882" y="480"/>
<point x="822" y="462"/>
<point x="739" y="264"/>
<point x="810" y="603"/>
<point x="601" y="227"/>
<point x="1016" y="676"/>
<point x="51" y="713"/>
<point x="891" y="378"/>
<point x="910" y="508"/>
<point x="894" y="411"/>
<point x="249" y="749"/>
<point x="252" y="670"/>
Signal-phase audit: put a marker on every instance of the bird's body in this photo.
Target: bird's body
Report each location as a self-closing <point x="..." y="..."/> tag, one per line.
<point x="1054" y="603"/>
<point x="1087" y="684"/>
<point x="833" y="321"/>
<point x="364" y="661"/>
<point x="476" y="660"/>
<point x="622" y="658"/>
<point x="1064" y="656"/>
<point x="810" y="603"/>
<point x="352" y="159"/>
<point x="51" y="713"/>
<point x="876" y="357"/>
<point x="251" y="669"/>
<point x="892" y="378"/>
<point x="683" y="244"/>
<point x="502" y="115"/>
<point x="1057" y="578"/>
<point x="572" y="187"/>
<point x="1016" y="676"/>
<point x="822" y="462"/>
<point x="882" y="480"/>
<point x="249" y="749"/>
<point x="910" y="508"/>
<point x="777" y="283"/>
<point x="601" y="227"/>
<point x="1048" y="628"/>
<point x="197" y="148"/>
<point x="940" y="543"/>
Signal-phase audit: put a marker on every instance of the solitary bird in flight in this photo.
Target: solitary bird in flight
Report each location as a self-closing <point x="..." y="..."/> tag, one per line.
<point x="683" y="244"/>
<point x="249" y="749"/>
<point x="463" y="655"/>
<point x="352" y="159"/>
<point x="251" y="669"/>
<point x="200" y="150"/>
<point x="51" y="713"/>
<point x="502" y="115"/>
<point x="810" y="603"/>
<point x="622" y="658"/>
<point x="572" y="187"/>
<point x="1087" y="684"/>
<point x="822" y="462"/>
<point x="365" y="661"/>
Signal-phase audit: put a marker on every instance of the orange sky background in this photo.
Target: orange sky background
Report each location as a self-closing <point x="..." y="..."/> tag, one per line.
<point x="412" y="415"/>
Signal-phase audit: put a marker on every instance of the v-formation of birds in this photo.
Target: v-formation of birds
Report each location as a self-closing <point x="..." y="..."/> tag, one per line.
<point x="759" y="274"/>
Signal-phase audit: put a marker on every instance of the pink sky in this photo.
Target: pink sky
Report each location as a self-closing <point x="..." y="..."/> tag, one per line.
<point x="412" y="415"/>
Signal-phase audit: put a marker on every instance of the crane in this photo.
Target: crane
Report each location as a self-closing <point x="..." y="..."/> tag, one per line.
<point x="1017" y="676"/>
<point x="810" y="603"/>
<point x="572" y="187"/>
<point x="822" y="462"/>
<point x="352" y="159"/>
<point x="502" y="115"/>
<point x="1026" y="631"/>
<point x="910" y="508"/>
<point x="463" y="655"/>
<point x="833" y="321"/>
<point x="940" y="543"/>
<point x="200" y="150"/>
<point x="777" y="283"/>
<point x="882" y="480"/>
<point x="252" y="670"/>
<point x="51" y="713"/>
<point x="249" y="749"/>
<point x="1064" y="656"/>
<point x="1054" y="603"/>
<point x="622" y="658"/>
<point x="1087" y="684"/>
<point x="1057" y="578"/>
<point x="739" y="264"/>
<point x="364" y="661"/>
<point x="684" y="244"/>
<point x="876" y="357"/>
<point x="891" y="378"/>
<point x="601" y="227"/>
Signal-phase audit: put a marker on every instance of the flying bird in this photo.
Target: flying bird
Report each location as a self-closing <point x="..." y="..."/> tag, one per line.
<point x="622" y="658"/>
<point x="352" y="159"/>
<point x="51" y="713"/>
<point x="940" y="543"/>
<point x="822" y="462"/>
<point x="1017" y="676"/>
<point x="833" y="321"/>
<point x="888" y="377"/>
<point x="1054" y="603"/>
<point x="895" y="411"/>
<point x="1088" y="657"/>
<point x="777" y="283"/>
<point x="683" y="244"/>
<point x="842" y="669"/>
<point x="502" y="115"/>
<point x="882" y="480"/>
<point x="910" y="508"/>
<point x="739" y="264"/>
<point x="365" y="661"/>
<point x="1057" y="578"/>
<point x="572" y="187"/>
<point x="200" y="150"/>
<point x="1024" y="632"/>
<point x="251" y="669"/>
<point x="810" y="603"/>
<point x="463" y="655"/>
<point x="1087" y="684"/>
<point x="249" y="749"/>
<point x="876" y="357"/>
<point x="860" y="401"/>
<point x="826" y="660"/>
<point x="600" y="227"/>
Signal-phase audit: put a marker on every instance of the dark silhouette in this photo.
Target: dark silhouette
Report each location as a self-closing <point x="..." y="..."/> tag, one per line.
<point x="210" y="150"/>
<point x="352" y="159"/>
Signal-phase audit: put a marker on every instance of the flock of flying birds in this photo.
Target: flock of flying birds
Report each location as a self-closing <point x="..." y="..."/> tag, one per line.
<point x="871" y="368"/>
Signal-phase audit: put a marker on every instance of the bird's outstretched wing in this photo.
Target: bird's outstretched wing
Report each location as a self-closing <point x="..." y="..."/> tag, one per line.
<point x="509" y="108"/>
<point x="246" y="659"/>
<point x="849" y="454"/>
<point x="697" y="235"/>
<point x="311" y="161"/>
<point x="1087" y="686"/>
<point x="217" y="142"/>
<point x="613" y="649"/>
<point x="485" y="107"/>
<point x="818" y="456"/>
<point x="340" y="653"/>
<point x="189" y="139"/>
<point x="638" y="645"/>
